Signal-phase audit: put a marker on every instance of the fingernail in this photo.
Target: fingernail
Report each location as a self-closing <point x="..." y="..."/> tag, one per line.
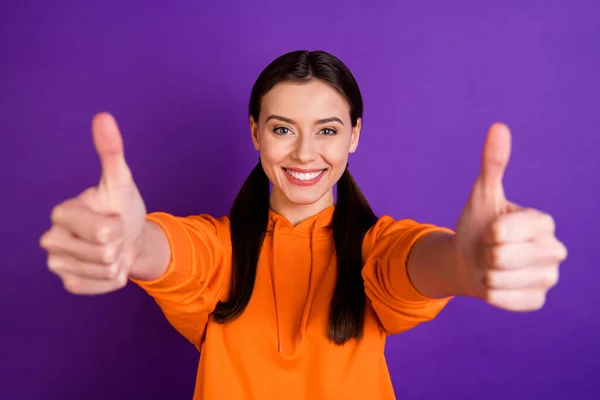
<point x="123" y="277"/>
<point x="491" y="296"/>
<point x="109" y="254"/>
<point x="500" y="233"/>
<point x="103" y="234"/>
<point x="113" y="270"/>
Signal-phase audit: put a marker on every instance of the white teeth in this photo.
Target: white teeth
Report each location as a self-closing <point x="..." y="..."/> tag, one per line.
<point x="304" y="176"/>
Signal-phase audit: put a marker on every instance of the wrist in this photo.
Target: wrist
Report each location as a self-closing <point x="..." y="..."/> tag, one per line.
<point x="460" y="266"/>
<point x="152" y="253"/>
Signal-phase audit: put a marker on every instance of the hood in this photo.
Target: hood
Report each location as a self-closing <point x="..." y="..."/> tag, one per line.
<point x="316" y="227"/>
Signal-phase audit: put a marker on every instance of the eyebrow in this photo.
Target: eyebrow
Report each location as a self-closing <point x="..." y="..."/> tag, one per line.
<point x="291" y="121"/>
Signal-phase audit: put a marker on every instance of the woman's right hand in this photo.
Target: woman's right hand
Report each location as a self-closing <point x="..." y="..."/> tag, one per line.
<point x="96" y="237"/>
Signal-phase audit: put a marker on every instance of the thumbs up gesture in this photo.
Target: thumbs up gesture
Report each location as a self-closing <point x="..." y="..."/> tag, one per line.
<point x="95" y="237"/>
<point x="508" y="255"/>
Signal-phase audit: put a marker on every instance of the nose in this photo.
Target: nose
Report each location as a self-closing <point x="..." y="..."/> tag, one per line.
<point x="306" y="149"/>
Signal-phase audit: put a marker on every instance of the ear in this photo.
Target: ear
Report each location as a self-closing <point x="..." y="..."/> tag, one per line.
<point x="355" y="135"/>
<point x="254" y="132"/>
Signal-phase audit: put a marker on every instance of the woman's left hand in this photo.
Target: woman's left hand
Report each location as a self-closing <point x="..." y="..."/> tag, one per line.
<point x="507" y="255"/>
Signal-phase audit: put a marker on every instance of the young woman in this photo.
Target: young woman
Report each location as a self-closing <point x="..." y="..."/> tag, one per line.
<point x="292" y="296"/>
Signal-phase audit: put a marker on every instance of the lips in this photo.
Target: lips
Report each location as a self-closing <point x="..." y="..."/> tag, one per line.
<point x="304" y="177"/>
<point x="305" y="174"/>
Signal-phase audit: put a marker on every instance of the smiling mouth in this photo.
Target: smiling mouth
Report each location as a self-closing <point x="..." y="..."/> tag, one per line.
<point x="304" y="176"/>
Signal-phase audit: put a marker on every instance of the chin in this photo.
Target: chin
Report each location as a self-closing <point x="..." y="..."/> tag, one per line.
<point x="304" y="199"/>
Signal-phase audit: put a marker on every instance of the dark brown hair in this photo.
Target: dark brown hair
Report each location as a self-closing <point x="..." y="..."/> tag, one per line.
<point x="352" y="216"/>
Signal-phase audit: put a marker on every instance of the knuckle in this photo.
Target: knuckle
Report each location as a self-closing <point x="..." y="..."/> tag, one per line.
<point x="87" y="193"/>
<point x="549" y="221"/>
<point x="49" y="239"/>
<point x="562" y="252"/>
<point x="56" y="213"/>
<point x="538" y="301"/>
<point x="54" y="263"/>
<point x="529" y="301"/>
<point x="550" y="278"/>
<point x="72" y="285"/>
<point x="44" y="240"/>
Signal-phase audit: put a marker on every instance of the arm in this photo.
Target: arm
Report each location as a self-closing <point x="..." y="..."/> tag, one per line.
<point x="393" y="296"/>
<point x="184" y="265"/>
<point x="433" y="266"/>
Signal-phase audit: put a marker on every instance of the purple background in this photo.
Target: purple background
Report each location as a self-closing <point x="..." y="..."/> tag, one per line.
<point x="177" y="75"/>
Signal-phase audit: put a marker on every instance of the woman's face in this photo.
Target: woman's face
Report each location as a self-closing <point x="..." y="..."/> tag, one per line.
<point x="304" y="136"/>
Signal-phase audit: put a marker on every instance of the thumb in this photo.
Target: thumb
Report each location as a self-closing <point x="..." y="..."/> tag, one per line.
<point x="109" y="146"/>
<point x="496" y="153"/>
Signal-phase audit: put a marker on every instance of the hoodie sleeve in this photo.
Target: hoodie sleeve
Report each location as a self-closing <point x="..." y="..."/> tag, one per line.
<point x="197" y="274"/>
<point x="386" y="247"/>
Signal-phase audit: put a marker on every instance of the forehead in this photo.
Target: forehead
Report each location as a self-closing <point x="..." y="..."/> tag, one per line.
<point x="305" y="101"/>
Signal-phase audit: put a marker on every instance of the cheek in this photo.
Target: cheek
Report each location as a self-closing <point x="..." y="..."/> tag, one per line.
<point x="272" y="156"/>
<point x="271" y="151"/>
<point x="336" y="154"/>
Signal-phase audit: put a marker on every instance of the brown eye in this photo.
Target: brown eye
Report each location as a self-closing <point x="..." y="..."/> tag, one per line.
<point x="328" y="131"/>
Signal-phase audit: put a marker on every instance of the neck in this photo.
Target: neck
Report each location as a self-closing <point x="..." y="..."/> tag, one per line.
<point x="294" y="212"/>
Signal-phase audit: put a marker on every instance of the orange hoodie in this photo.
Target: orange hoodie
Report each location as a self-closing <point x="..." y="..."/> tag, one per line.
<point x="278" y="348"/>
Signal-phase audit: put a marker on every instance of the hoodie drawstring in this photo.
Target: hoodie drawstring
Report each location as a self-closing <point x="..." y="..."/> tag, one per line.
<point x="279" y="344"/>
<point x="311" y="288"/>
<point x="312" y="283"/>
